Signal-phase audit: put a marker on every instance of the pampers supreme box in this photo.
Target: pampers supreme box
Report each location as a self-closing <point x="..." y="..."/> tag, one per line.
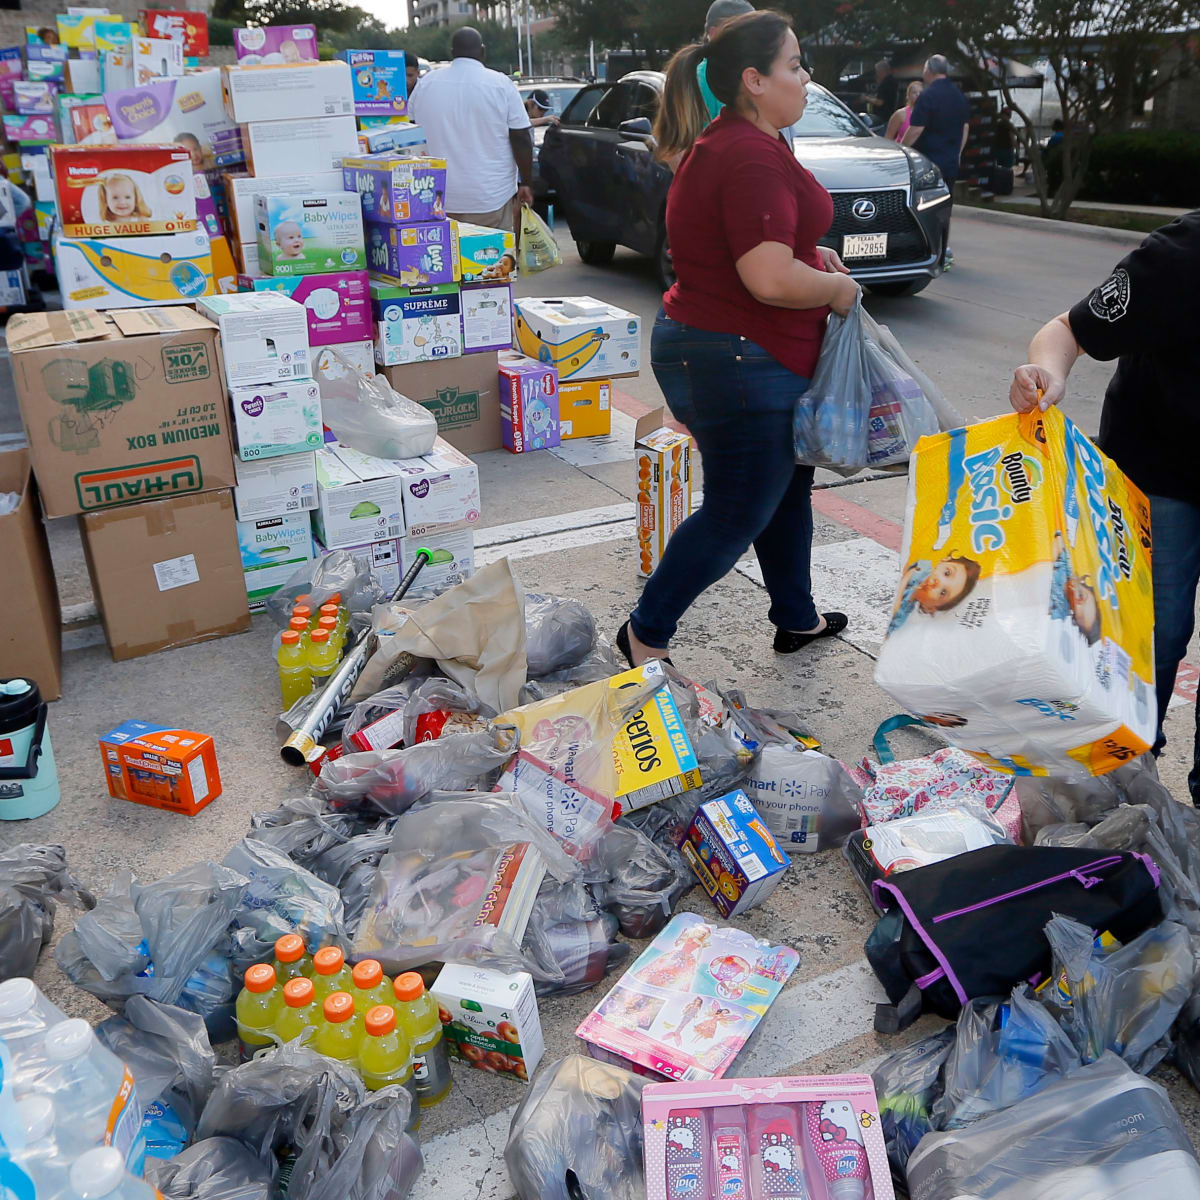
<point x="166" y="573"/>
<point x="584" y="338"/>
<point x="416" y="324"/>
<point x="121" y="406"/>
<point x="264" y="337"/>
<point x="306" y="235"/>
<point x="272" y="550"/>
<point x="133" y="272"/>
<point x="175" y="769"/>
<point x="462" y="393"/>
<point x="337" y="305"/>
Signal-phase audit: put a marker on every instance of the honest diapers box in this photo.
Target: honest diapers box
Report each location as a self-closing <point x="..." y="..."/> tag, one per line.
<point x="337" y="305"/>
<point x="299" y="145"/>
<point x="585" y="408"/>
<point x="416" y="324"/>
<point x="264" y="336"/>
<point x="287" y="92"/>
<point x="490" y="1019"/>
<point x="275" y="487"/>
<point x="486" y="317"/>
<point x="397" y="189"/>
<point x="132" y="272"/>
<point x="305" y="235"/>
<point x="359" y="498"/>
<point x="379" y="81"/>
<point x="412" y="255"/>
<point x="584" y="338"/>
<point x="273" y="419"/>
<point x="528" y="403"/>
<point x="272" y="550"/>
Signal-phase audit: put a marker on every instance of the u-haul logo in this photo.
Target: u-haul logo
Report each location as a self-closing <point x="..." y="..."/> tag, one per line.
<point x="147" y="481"/>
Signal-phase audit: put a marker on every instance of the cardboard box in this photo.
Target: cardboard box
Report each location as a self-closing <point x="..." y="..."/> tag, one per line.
<point x="183" y="25"/>
<point x="397" y="138"/>
<point x="87" y="124"/>
<point x="528" y="403"/>
<point x="225" y="274"/>
<point x="379" y="81"/>
<point x="31" y="635"/>
<point x="360" y="356"/>
<point x="663" y="459"/>
<point x="175" y="769"/>
<point x="337" y="305"/>
<point x="274" y="44"/>
<point x="166" y="573"/>
<point x="582" y="337"/>
<point x="411" y="255"/>
<point x="272" y="550"/>
<point x="484" y="253"/>
<point x="264" y="337"/>
<point x="208" y="214"/>
<point x="416" y="324"/>
<point x="121" y="407"/>
<point x="30" y="131"/>
<point x="241" y="190"/>
<point x="381" y="558"/>
<point x="13" y="293"/>
<point x="34" y="98"/>
<point x="248" y="261"/>
<point x="356" y="506"/>
<point x="110" y="191"/>
<point x="462" y="393"/>
<point x="275" y="487"/>
<point x="75" y="30"/>
<point x="486" y="317"/>
<point x="271" y="420"/>
<point x="490" y="1019"/>
<point x="282" y="92"/>
<point x="585" y="408"/>
<point x="453" y="560"/>
<point x="156" y="58"/>
<point x="305" y="235"/>
<point x="397" y="189"/>
<point x="733" y="854"/>
<point x="298" y="146"/>
<point x="116" y="69"/>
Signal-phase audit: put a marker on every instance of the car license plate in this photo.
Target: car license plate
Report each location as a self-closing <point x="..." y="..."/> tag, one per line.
<point x="864" y="245"/>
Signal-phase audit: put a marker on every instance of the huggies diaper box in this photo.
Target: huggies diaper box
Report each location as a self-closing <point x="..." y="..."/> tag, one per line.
<point x="307" y="235"/>
<point x="337" y="305"/>
<point x="397" y="189"/>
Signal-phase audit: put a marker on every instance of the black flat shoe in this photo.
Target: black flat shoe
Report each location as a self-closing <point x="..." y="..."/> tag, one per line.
<point x="622" y="641"/>
<point x="787" y="642"/>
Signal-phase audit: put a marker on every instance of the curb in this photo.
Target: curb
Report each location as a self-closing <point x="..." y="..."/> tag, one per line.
<point x="1100" y="233"/>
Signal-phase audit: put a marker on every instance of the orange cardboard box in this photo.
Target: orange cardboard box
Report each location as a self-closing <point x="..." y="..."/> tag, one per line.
<point x="663" y="459"/>
<point x="174" y="769"/>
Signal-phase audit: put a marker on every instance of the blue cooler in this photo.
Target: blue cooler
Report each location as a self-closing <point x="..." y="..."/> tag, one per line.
<point x="28" y="776"/>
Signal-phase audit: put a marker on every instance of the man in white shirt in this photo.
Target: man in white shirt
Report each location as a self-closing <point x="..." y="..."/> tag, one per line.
<point x="474" y="119"/>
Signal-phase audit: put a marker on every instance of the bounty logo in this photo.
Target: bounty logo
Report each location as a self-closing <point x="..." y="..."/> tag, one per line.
<point x="147" y="481"/>
<point x="998" y="483"/>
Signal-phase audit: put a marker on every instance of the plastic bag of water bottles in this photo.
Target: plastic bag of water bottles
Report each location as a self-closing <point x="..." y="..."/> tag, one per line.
<point x="831" y="419"/>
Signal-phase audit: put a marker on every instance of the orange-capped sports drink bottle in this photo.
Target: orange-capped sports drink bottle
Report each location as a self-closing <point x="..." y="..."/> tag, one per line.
<point x="417" y="1014"/>
<point x="371" y="986"/>
<point x="299" y="1012"/>
<point x="257" y="1009"/>
<point x="291" y="957"/>
<point x="330" y="973"/>
<point x="340" y="1035"/>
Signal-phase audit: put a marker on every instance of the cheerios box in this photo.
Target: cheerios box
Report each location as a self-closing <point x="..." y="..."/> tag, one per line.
<point x="583" y="337"/>
<point x="663" y="459"/>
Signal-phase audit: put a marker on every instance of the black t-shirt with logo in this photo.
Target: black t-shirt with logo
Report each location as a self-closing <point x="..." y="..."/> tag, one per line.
<point x="1142" y="315"/>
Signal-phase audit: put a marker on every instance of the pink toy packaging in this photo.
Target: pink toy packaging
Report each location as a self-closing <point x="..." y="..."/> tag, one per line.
<point x="804" y="1137"/>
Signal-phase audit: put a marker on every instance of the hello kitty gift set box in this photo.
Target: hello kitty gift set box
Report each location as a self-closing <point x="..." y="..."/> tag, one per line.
<point x="816" y="1137"/>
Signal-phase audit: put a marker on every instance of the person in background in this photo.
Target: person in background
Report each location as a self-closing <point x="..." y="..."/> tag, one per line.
<point x="412" y="71"/>
<point x="1056" y="133"/>
<point x="719" y="13"/>
<point x="474" y="119"/>
<point x="887" y="90"/>
<point x="901" y="119"/>
<point x="1004" y="139"/>
<point x="1150" y="424"/>
<point x="739" y="333"/>
<point x="540" y="109"/>
<point x="939" y="128"/>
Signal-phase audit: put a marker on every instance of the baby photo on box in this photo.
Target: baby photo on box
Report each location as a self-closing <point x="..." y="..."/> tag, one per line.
<point x="307" y="235"/>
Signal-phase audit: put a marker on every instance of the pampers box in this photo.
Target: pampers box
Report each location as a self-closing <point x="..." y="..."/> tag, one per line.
<point x="273" y="549"/>
<point x="416" y="324"/>
<point x="295" y="146"/>
<point x="584" y="338"/>
<point x="306" y="235"/>
<point x="380" y="84"/>
<point x="485" y="253"/>
<point x="173" y="268"/>
<point x="1023" y="625"/>
<point x="338" y="305"/>
<point x="397" y="189"/>
<point x="412" y="255"/>
<point x="264" y="336"/>
<point x="274" y="419"/>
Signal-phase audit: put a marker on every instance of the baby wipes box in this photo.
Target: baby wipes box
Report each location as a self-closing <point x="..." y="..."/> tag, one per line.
<point x="264" y="337"/>
<point x="309" y="235"/>
<point x="275" y="487"/>
<point x="358" y="501"/>
<point x="127" y="272"/>
<point x="270" y="420"/>
<point x="273" y="549"/>
<point x="582" y="337"/>
<point x="1023" y="626"/>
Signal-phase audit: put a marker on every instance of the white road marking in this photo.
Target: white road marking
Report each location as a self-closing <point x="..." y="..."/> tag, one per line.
<point x="584" y="518"/>
<point x="592" y="452"/>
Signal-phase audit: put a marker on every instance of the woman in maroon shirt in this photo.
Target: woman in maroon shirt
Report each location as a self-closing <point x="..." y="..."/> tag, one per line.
<point x="739" y="333"/>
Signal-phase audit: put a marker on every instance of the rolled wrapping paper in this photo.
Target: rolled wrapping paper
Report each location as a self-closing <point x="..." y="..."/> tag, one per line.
<point x="838" y="1143"/>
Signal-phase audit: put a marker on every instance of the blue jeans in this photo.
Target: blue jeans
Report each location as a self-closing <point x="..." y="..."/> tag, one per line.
<point x="737" y="402"/>
<point x="1175" y="528"/>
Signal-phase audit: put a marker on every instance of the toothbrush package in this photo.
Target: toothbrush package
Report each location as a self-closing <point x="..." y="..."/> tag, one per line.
<point x="806" y="1137"/>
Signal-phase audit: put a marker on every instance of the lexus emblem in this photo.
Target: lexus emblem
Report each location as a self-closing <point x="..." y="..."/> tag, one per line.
<point x="863" y="209"/>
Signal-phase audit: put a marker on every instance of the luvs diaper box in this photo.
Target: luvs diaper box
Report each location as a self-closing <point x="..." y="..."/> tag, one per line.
<point x="307" y="235"/>
<point x="412" y="255"/>
<point x="397" y="188"/>
<point x="1023" y="626"/>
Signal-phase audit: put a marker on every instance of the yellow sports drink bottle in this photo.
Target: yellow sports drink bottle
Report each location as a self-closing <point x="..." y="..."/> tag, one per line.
<point x="257" y="1009"/>
<point x="417" y="1014"/>
<point x="295" y="679"/>
<point x="291" y="957"/>
<point x="332" y="610"/>
<point x="299" y="1012"/>
<point x="329" y="624"/>
<point x="303" y="613"/>
<point x="299" y="626"/>
<point x="371" y="986"/>
<point x="385" y="1056"/>
<point x="330" y="973"/>
<point x="322" y="657"/>
<point x="340" y="1035"/>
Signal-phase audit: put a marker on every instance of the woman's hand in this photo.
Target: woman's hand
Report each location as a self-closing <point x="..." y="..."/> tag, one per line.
<point x="845" y="292"/>
<point x="832" y="261"/>
<point x="1033" y="387"/>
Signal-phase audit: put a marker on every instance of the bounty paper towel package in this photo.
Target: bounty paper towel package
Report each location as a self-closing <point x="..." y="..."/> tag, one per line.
<point x="1023" y="624"/>
<point x="307" y="235"/>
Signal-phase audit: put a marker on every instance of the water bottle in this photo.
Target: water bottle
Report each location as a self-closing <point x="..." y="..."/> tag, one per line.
<point x="25" y="1018"/>
<point x="40" y="1159"/>
<point x="28" y="776"/>
<point x="101" y="1175"/>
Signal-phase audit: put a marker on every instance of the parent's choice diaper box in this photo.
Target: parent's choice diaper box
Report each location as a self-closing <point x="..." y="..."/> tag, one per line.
<point x="584" y="338"/>
<point x="356" y="503"/>
<point x="290" y="147"/>
<point x="337" y="305"/>
<point x="379" y="80"/>
<point x="115" y="191"/>
<point x="274" y="419"/>
<point x="264" y="336"/>
<point x="397" y="189"/>
<point x="272" y="550"/>
<point x="1023" y="625"/>
<point x="452" y="558"/>
<point x="280" y="93"/>
<point x="275" y="44"/>
<point x="130" y="272"/>
<point x="412" y="255"/>
<point x="416" y="324"/>
<point x="307" y="235"/>
<point x="663" y="458"/>
<point x="275" y="487"/>
<point x="490" y="1018"/>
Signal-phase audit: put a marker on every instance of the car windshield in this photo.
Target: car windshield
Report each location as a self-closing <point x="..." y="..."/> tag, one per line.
<point x="560" y="94"/>
<point x="825" y="116"/>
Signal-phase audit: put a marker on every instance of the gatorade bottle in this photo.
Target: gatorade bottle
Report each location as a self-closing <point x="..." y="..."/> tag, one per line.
<point x="340" y="1035"/>
<point x="299" y="1012"/>
<point x="329" y="624"/>
<point x="100" y="1175"/>
<point x="332" y="610"/>
<point x="257" y="1008"/>
<point x="295" y="680"/>
<point x="322" y="657"/>
<point x="302" y="612"/>
<point x="385" y="1057"/>
<point x="299" y="626"/>
<point x="330" y="974"/>
<point x="371" y="986"/>
<point x="417" y="1015"/>
<point x="291" y="958"/>
<point x="343" y="615"/>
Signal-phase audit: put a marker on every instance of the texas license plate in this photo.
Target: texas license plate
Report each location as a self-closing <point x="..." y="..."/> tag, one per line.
<point x="864" y="245"/>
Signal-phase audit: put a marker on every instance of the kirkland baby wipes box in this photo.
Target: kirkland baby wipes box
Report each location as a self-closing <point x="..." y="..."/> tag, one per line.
<point x="307" y="235"/>
<point x="240" y="191"/>
<point x="274" y="419"/>
<point x="275" y="487"/>
<point x="1023" y="625"/>
<point x="273" y="549"/>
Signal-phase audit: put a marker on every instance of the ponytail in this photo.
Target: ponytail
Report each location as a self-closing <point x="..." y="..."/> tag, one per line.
<point x="682" y="113"/>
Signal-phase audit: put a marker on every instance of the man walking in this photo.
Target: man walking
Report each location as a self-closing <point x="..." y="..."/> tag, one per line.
<point x="474" y="119"/>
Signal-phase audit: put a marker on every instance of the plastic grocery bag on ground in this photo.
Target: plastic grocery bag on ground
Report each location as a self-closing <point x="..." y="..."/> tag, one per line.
<point x="900" y="414"/>
<point x="392" y="717"/>
<point x="641" y="882"/>
<point x="1023" y="623"/>
<point x="1101" y="1133"/>
<point x="577" y="1134"/>
<point x="907" y="1085"/>
<point x="831" y="421"/>
<point x="303" y="830"/>
<point x="537" y="250"/>
<point x="570" y="942"/>
<point x="351" y="867"/>
<point x="336" y="572"/>
<point x="600" y="662"/>
<point x="559" y="633"/>
<point x="218" y="1168"/>
<point x="32" y="879"/>
<point x="807" y="799"/>
<point x="370" y="416"/>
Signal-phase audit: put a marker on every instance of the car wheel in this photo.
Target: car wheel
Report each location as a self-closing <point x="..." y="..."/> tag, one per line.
<point x="596" y="254"/>
<point x="905" y="287"/>
<point x="664" y="266"/>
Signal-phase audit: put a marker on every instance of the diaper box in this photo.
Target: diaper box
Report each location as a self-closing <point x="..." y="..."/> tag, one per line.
<point x="582" y="337"/>
<point x="264" y="336"/>
<point x="359" y="498"/>
<point x="585" y="408"/>
<point x="416" y="324"/>
<point x="412" y="255"/>
<point x="298" y="146"/>
<point x="186" y="26"/>
<point x="34" y="97"/>
<point x="30" y="131"/>
<point x="275" y="44"/>
<point x="155" y="58"/>
<point x="663" y="458"/>
<point x="397" y="188"/>
<point x="116" y="191"/>
<point x="306" y="235"/>
<point x="357" y="356"/>
<point x="379" y="81"/>
<point x="274" y="487"/>
<point x="337" y="305"/>
<point x="453" y="555"/>
<point x="733" y="853"/>
<point x="278" y="418"/>
<point x="486" y="317"/>
<point x="161" y="766"/>
<point x="208" y="212"/>
<point x="398" y="136"/>
<point x="116" y="68"/>
<point x="242" y="189"/>
<point x="485" y="253"/>
<point x="287" y="93"/>
<point x="273" y="549"/>
<point x="128" y="272"/>
<point x="86" y="124"/>
<point x="528" y="403"/>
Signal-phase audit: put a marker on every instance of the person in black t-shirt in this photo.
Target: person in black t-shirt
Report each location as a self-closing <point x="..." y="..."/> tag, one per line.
<point x="887" y="91"/>
<point x="1141" y="315"/>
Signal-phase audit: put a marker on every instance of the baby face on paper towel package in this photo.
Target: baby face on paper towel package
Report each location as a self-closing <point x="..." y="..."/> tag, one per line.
<point x="1023" y="623"/>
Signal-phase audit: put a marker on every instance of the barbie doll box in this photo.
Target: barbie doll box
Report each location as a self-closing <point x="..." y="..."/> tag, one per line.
<point x="174" y="769"/>
<point x="812" y="1137"/>
<point x="1023" y="626"/>
<point x="689" y="1003"/>
<point x="120" y="190"/>
<point x="397" y="189"/>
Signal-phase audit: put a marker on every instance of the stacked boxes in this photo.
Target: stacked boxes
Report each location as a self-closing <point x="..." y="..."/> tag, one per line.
<point x="528" y="403"/>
